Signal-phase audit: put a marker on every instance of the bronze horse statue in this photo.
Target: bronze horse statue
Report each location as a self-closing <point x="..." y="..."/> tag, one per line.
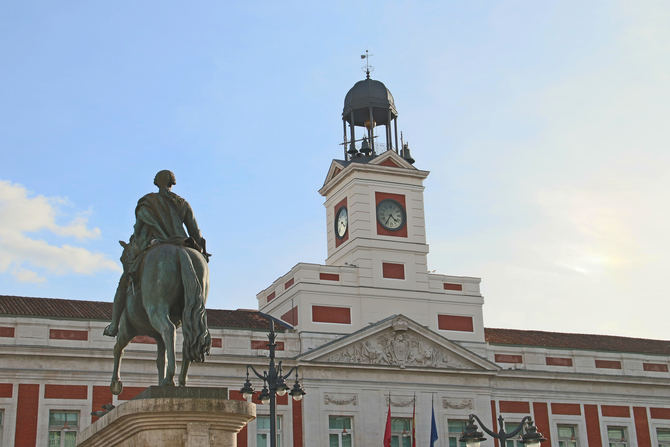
<point x="173" y="286"/>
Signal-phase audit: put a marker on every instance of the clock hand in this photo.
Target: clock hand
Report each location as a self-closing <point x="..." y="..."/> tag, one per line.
<point x="387" y="220"/>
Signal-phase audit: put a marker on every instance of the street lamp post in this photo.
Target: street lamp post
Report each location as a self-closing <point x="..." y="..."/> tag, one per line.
<point x="530" y="436"/>
<point x="274" y="383"/>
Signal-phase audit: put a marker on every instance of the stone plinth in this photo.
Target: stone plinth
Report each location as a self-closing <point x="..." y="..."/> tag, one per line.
<point x="176" y="417"/>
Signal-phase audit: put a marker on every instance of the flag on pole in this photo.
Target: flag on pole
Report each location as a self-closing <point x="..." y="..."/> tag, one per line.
<point x="433" y="427"/>
<point x="387" y="432"/>
<point x="414" y="423"/>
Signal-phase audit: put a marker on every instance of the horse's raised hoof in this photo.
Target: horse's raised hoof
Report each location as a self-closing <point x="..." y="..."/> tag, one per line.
<point x="116" y="387"/>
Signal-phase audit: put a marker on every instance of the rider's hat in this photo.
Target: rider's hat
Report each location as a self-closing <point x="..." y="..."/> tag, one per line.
<point x="165" y="178"/>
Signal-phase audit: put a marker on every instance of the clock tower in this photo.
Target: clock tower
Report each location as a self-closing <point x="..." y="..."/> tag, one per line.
<point x="376" y="234"/>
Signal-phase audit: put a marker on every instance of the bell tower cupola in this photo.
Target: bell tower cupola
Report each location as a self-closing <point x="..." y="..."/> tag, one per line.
<point x="367" y="106"/>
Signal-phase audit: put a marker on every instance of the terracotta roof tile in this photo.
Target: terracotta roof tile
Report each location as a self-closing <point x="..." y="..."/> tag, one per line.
<point x="576" y="341"/>
<point x="98" y="310"/>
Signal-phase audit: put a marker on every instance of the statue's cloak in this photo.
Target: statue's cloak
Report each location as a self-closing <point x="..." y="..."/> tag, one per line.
<point x="162" y="216"/>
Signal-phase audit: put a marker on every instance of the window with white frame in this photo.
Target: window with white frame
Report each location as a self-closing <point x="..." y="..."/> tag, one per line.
<point x="63" y="427"/>
<point x="567" y="435"/>
<point x="617" y="436"/>
<point x="456" y="428"/>
<point x="340" y="433"/>
<point x="515" y="441"/>
<point x="401" y="432"/>
<point x="263" y="431"/>
<point x="2" y="421"/>
<point x="663" y="437"/>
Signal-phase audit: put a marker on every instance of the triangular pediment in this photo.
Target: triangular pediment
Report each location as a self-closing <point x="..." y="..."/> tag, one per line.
<point x="398" y="342"/>
<point x="335" y="168"/>
<point x="391" y="159"/>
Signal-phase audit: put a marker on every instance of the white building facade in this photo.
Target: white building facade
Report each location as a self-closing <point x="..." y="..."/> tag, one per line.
<point x="369" y="329"/>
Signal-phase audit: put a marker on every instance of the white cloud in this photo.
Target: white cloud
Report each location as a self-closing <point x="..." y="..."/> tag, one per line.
<point x="22" y="215"/>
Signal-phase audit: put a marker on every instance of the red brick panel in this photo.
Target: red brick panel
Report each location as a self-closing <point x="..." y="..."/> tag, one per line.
<point x="508" y="358"/>
<point x="271" y="297"/>
<point x="617" y="411"/>
<point x="297" y="423"/>
<point x="541" y="414"/>
<point x="6" y="331"/>
<point x="610" y="364"/>
<point x="455" y="323"/>
<point x="389" y="162"/>
<point x="391" y="270"/>
<point x="642" y="427"/>
<point x="331" y="314"/>
<point x="451" y="286"/>
<point x="144" y="339"/>
<point x="282" y="400"/>
<point x="659" y="413"/>
<point x="291" y="317"/>
<point x="510" y="406"/>
<point x="657" y="367"/>
<point x="101" y="395"/>
<point x="329" y="276"/>
<point x="379" y="196"/>
<point x="130" y="391"/>
<point x="242" y="435"/>
<point x="558" y="361"/>
<point x="65" y="392"/>
<point x="342" y="204"/>
<point x="574" y="409"/>
<point x="592" y="426"/>
<point x="494" y="419"/>
<point x="288" y="283"/>
<point x="67" y="334"/>
<point x="217" y="342"/>
<point x="263" y="344"/>
<point x="6" y="389"/>
<point x="26" y="415"/>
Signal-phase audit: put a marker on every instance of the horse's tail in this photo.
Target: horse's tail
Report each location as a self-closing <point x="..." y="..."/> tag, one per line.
<point x="197" y="340"/>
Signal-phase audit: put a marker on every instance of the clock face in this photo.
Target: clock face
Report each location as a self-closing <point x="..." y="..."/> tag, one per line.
<point x="390" y="215"/>
<point x="341" y="222"/>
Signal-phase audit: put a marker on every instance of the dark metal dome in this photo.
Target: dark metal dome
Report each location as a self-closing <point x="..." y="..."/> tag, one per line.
<point x="367" y="94"/>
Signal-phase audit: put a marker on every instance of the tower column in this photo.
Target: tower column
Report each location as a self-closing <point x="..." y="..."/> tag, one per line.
<point x="353" y="133"/>
<point x="371" y="130"/>
<point x="395" y="126"/>
<point x="344" y="143"/>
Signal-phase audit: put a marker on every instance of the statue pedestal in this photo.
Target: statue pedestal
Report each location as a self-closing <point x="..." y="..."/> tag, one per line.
<point x="171" y="417"/>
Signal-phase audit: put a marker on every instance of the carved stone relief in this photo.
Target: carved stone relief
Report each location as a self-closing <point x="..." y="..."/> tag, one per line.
<point x="457" y="404"/>
<point x="400" y="401"/>
<point x="340" y="399"/>
<point x="400" y="348"/>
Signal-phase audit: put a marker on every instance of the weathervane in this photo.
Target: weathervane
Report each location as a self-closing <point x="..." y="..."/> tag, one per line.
<point x="366" y="56"/>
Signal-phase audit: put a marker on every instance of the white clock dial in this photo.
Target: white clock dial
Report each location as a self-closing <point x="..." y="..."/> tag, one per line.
<point x="390" y="214"/>
<point x="341" y="222"/>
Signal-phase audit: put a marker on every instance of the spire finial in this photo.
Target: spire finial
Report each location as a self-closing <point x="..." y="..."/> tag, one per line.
<point x="366" y="56"/>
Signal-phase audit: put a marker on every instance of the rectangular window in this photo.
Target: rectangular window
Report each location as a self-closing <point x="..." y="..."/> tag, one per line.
<point x="456" y="429"/>
<point x="567" y="436"/>
<point x="340" y="433"/>
<point x="263" y="431"/>
<point x="617" y="436"/>
<point x="401" y="432"/>
<point x="2" y="414"/>
<point x="515" y="441"/>
<point x="663" y="437"/>
<point x="63" y="428"/>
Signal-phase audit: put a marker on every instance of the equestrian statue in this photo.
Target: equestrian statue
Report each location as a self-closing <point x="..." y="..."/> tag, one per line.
<point x="164" y="284"/>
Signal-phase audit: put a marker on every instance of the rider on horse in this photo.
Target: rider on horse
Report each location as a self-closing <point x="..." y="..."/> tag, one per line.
<point x="161" y="218"/>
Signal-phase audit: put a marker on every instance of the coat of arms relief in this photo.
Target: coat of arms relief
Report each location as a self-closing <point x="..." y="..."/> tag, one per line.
<point x="397" y="347"/>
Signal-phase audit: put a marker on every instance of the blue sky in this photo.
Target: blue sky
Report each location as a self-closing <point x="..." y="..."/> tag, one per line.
<point x="543" y="124"/>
